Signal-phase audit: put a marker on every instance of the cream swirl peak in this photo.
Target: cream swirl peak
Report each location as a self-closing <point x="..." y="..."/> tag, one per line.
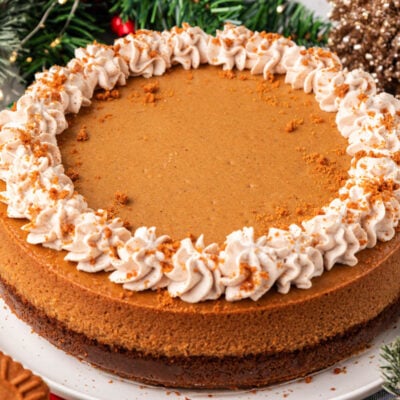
<point x="366" y="208"/>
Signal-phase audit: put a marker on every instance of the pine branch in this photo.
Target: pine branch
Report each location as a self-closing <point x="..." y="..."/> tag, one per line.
<point x="286" y="17"/>
<point x="13" y="23"/>
<point x="67" y="27"/>
<point x="391" y="370"/>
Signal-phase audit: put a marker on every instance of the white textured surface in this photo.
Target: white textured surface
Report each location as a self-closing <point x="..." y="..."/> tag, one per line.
<point x="320" y="7"/>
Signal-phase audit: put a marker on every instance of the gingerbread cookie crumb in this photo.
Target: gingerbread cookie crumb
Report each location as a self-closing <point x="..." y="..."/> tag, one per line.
<point x="82" y="135"/>
<point x="25" y="137"/>
<point x="111" y="212"/>
<point x="149" y="98"/>
<point x="72" y="174"/>
<point x="341" y="90"/>
<point x="315" y="119"/>
<point x="308" y="379"/>
<point x="107" y="95"/>
<point x="338" y="370"/>
<point x="229" y="74"/>
<point x="292" y="125"/>
<point x="151" y="87"/>
<point x="121" y="198"/>
<point x="282" y="212"/>
<point x="127" y="225"/>
<point x="67" y="229"/>
<point x="105" y="118"/>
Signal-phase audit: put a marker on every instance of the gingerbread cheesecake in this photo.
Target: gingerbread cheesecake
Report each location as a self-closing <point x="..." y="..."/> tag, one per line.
<point x="202" y="211"/>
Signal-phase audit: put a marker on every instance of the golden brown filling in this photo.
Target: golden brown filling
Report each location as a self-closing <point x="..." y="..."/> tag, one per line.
<point x="206" y="151"/>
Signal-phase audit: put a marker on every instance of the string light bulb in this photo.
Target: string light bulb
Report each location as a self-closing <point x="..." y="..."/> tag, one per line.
<point x="62" y="2"/>
<point x="55" y="42"/>
<point x="13" y="57"/>
<point x="280" y="9"/>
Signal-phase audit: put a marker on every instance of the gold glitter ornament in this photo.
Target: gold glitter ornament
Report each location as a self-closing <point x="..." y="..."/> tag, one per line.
<point x="366" y="34"/>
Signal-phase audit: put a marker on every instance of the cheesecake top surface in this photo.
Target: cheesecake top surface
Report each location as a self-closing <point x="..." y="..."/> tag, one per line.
<point x="207" y="152"/>
<point x="247" y="264"/>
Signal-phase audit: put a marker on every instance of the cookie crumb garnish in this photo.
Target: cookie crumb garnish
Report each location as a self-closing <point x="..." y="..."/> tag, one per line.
<point x="152" y="87"/>
<point x="228" y="74"/>
<point x="107" y="95"/>
<point x="341" y="90"/>
<point x="292" y="125"/>
<point x="315" y="119"/>
<point x="121" y="198"/>
<point x="72" y="174"/>
<point x="82" y="135"/>
<point x="149" y="98"/>
<point x="338" y="370"/>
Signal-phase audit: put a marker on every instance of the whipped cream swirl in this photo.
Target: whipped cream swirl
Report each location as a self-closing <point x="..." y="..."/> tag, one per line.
<point x="139" y="265"/>
<point x="365" y="211"/>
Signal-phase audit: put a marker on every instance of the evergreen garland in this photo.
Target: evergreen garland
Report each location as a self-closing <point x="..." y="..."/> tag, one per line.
<point x="286" y="17"/>
<point x="391" y="370"/>
<point x="67" y="27"/>
<point x="35" y="34"/>
<point x="13" y="25"/>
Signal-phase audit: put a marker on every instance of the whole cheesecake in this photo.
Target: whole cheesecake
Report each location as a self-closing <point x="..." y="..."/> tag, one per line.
<point x="122" y="254"/>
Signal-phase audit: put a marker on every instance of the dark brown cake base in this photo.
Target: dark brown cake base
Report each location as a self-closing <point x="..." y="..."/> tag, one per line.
<point x="252" y="370"/>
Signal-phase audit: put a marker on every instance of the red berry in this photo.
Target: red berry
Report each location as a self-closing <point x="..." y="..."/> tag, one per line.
<point x="116" y="22"/>
<point x="122" y="28"/>
<point x="54" y="397"/>
<point x="125" y="28"/>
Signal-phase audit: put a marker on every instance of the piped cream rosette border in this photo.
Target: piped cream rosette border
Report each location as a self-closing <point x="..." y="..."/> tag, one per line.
<point x="366" y="209"/>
